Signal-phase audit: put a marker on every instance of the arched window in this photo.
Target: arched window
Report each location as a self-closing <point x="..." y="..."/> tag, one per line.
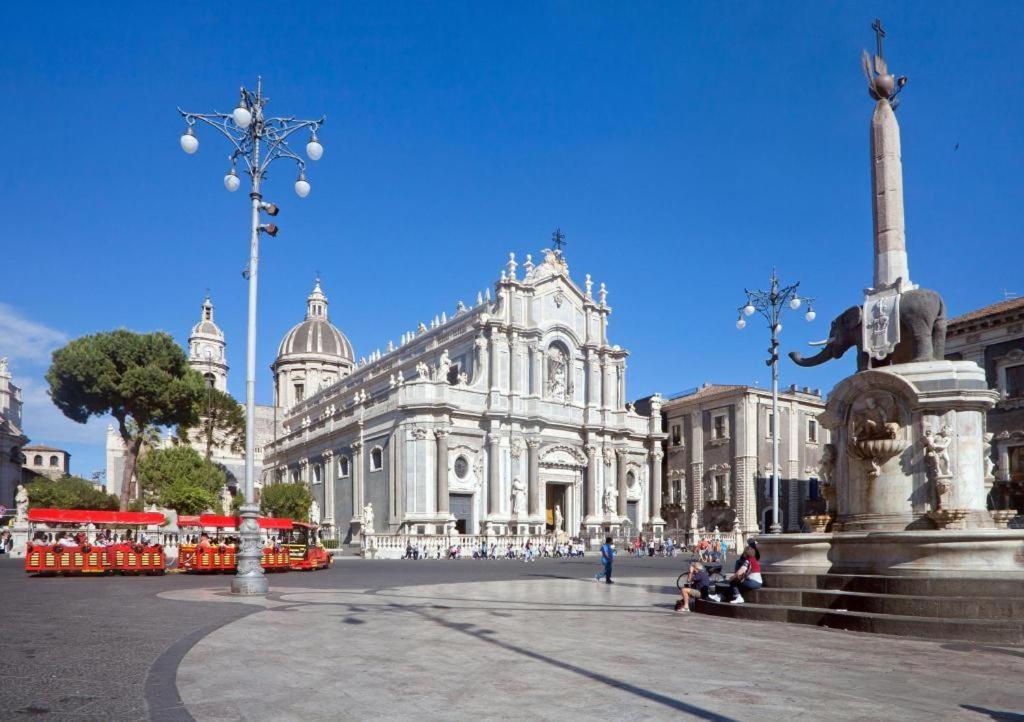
<point x="37" y="460"/>
<point x="630" y="479"/>
<point x="211" y="381"/>
<point x="376" y="459"/>
<point x="296" y="476"/>
<point x="343" y="467"/>
<point x="54" y="461"/>
<point x="318" y="473"/>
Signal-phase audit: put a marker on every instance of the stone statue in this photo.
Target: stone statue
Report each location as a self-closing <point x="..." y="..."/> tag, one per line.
<point x="21" y="503"/>
<point x="3" y="366"/>
<point x="937" y="454"/>
<point x="990" y="465"/>
<point x="609" y="499"/>
<point x="875" y="417"/>
<point x="225" y="500"/>
<point x="422" y="370"/>
<point x="444" y="366"/>
<point x="518" y="496"/>
<point x="368" y="518"/>
<point x="826" y="474"/>
<point x="558" y="518"/>
<point x="558" y="385"/>
<point x="314" y="513"/>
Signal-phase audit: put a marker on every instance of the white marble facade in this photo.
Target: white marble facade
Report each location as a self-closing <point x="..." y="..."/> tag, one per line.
<point x="485" y="420"/>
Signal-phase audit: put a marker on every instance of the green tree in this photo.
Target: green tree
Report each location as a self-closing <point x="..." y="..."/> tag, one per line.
<point x="69" y="492"/>
<point x="142" y="379"/>
<point x="179" y="478"/>
<point x="218" y="420"/>
<point x="290" y="501"/>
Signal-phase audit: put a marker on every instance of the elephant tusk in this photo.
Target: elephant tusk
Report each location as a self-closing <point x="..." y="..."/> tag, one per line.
<point x="817" y="343"/>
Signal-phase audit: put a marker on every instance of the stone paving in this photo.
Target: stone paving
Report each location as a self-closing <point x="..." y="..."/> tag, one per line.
<point x="455" y="640"/>
<point x="550" y="647"/>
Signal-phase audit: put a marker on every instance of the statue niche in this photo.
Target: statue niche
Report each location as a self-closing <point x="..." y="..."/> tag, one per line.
<point x="559" y="374"/>
<point x="875" y="430"/>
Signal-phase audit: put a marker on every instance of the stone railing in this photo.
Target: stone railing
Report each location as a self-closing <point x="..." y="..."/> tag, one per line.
<point x="433" y="546"/>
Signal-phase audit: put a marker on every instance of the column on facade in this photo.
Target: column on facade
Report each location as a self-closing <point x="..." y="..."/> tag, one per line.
<point x="654" y="460"/>
<point x="495" y="360"/>
<point x="357" y="480"/>
<point x="607" y="383"/>
<point x="1003" y="470"/>
<point x="697" y="466"/>
<point x="745" y="470"/>
<point x="441" y="435"/>
<point x="623" y="488"/>
<point x="593" y="378"/>
<point x="533" y="476"/>
<point x="482" y="361"/>
<point x="535" y="376"/>
<point x="591" y="486"/>
<point x="328" y="514"/>
<point x="493" y="474"/>
<point x="793" y="520"/>
<point x="515" y="376"/>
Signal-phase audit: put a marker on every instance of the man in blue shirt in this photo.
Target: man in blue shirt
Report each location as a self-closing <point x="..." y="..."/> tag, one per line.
<point x="607" y="556"/>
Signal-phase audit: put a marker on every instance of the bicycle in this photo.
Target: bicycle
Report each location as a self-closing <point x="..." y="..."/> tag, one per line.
<point x="714" y="573"/>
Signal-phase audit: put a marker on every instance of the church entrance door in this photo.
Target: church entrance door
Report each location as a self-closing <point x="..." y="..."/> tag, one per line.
<point x="631" y="514"/>
<point x="554" y="494"/>
<point x="461" y="507"/>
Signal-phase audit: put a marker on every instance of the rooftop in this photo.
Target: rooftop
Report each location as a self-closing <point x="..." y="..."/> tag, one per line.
<point x="995" y="309"/>
<point x="42" y="447"/>
<point x="715" y="390"/>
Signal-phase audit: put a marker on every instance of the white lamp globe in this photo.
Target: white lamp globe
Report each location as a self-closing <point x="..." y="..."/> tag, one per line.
<point x="242" y="117"/>
<point x="302" y="187"/>
<point x="810" y="315"/>
<point x="189" y="141"/>
<point x="231" y="181"/>
<point x="778" y="328"/>
<point x="748" y="310"/>
<point x="314" y="150"/>
<point x="794" y="303"/>
<point x="740" y="323"/>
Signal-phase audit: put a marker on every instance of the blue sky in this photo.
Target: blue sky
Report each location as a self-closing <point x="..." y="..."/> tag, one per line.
<point x="684" y="148"/>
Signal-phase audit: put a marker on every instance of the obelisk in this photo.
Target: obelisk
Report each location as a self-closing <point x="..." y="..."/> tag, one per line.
<point x="886" y="173"/>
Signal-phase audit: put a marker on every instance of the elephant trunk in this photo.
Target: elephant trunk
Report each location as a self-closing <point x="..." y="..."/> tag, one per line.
<point x="817" y="359"/>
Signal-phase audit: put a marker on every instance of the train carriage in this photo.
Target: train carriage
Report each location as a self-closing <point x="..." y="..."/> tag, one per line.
<point x="221" y="555"/>
<point x="90" y="553"/>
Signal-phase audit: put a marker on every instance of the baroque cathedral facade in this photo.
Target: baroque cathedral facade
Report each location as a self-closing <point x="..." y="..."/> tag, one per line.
<point x="509" y="416"/>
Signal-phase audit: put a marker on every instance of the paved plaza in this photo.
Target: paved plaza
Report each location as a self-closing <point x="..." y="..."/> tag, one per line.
<point x="459" y="640"/>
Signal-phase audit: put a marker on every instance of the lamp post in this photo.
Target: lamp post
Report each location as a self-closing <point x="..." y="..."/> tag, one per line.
<point x="771" y="305"/>
<point x="258" y="141"/>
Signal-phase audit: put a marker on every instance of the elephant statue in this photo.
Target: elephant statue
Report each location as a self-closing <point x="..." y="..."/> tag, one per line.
<point x="922" y="333"/>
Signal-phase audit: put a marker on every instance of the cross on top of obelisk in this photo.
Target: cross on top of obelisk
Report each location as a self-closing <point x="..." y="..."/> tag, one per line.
<point x="558" y="239"/>
<point x="879" y="34"/>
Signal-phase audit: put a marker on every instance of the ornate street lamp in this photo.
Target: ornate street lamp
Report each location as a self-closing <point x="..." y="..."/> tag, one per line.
<point x="771" y="305"/>
<point x="258" y="141"/>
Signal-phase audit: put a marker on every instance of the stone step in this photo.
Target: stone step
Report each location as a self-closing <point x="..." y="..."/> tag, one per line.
<point x="970" y="607"/>
<point x="908" y="586"/>
<point x="932" y="628"/>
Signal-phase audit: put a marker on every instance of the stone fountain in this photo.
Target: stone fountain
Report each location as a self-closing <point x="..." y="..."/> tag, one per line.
<point x="904" y="476"/>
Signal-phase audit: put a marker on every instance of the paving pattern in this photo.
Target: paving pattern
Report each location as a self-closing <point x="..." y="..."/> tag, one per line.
<point x="455" y="640"/>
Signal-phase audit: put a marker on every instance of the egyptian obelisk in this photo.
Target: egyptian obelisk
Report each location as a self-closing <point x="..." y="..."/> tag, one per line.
<point x="886" y="174"/>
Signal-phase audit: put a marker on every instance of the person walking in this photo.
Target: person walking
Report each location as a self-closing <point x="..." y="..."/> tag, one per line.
<point x="607" y="556"/>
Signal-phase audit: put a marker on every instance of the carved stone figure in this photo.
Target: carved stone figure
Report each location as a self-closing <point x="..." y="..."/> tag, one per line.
<point x="368" y="518"/>
<point x="826" y="477"/>
<point x="422" y="370"/>
<point x="518" y="496"/>
<point x="874" y="417"/>
<point x="314" y="513"/>
<point x="558" y="518"/>
<point x="990" y="465"/>
<point x="922" y="327"/>
<point x="936" y="459"/>
<point x="3" y="366"/>
<point x="225" y="500"/>
<point x="21" y="503"/>
<point x="609" y="499"/>
<point x="558" y="386"/>
<point x="444" y="366"/>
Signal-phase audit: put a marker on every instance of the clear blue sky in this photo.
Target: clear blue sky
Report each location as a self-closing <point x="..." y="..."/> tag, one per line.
<point x="685" y="149"/>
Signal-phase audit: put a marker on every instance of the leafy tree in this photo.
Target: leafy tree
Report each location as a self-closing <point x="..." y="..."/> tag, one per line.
<point x="219" y="420"/>
<point x="142" y="379"/>
<point x="69" y="492"/>
<point x="286" y="501"/>
<point x="179" y="478"/>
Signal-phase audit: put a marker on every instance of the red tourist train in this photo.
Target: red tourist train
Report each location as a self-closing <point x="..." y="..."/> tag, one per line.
<point x="294" y="546"/>
<point x="77" y="541"/>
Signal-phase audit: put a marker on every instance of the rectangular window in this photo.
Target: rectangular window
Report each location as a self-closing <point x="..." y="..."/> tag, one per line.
<point x="720" y="486"/>
<point x="318" y="473"/>
<point x="343" y="467"/>
<point x="300" y="390"/>
<point x="677" y="435"/>
<point x="1015" y="382"/>
<point x="770" y="423"/>
<point x="720" y="429"/>
<point x="812" y="431"/>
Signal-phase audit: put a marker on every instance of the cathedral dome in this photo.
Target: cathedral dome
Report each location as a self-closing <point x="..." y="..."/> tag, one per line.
<point x="315" y="335"/>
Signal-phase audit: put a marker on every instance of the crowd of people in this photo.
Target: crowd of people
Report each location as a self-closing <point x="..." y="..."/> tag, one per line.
<point x="527" y="552"/>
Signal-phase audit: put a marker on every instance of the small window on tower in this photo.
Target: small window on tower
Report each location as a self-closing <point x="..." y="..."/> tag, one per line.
<point x="677" y="435"/>
<point x="300" y="391"/>
<point x="376" y="459"/>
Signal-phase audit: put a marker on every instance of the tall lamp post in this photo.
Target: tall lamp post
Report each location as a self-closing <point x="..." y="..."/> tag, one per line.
<point x="771" y="305"/>
<point x="257" y="141"/>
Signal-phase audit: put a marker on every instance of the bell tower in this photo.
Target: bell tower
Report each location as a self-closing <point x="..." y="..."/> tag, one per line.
<point x="206" y="349"/>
